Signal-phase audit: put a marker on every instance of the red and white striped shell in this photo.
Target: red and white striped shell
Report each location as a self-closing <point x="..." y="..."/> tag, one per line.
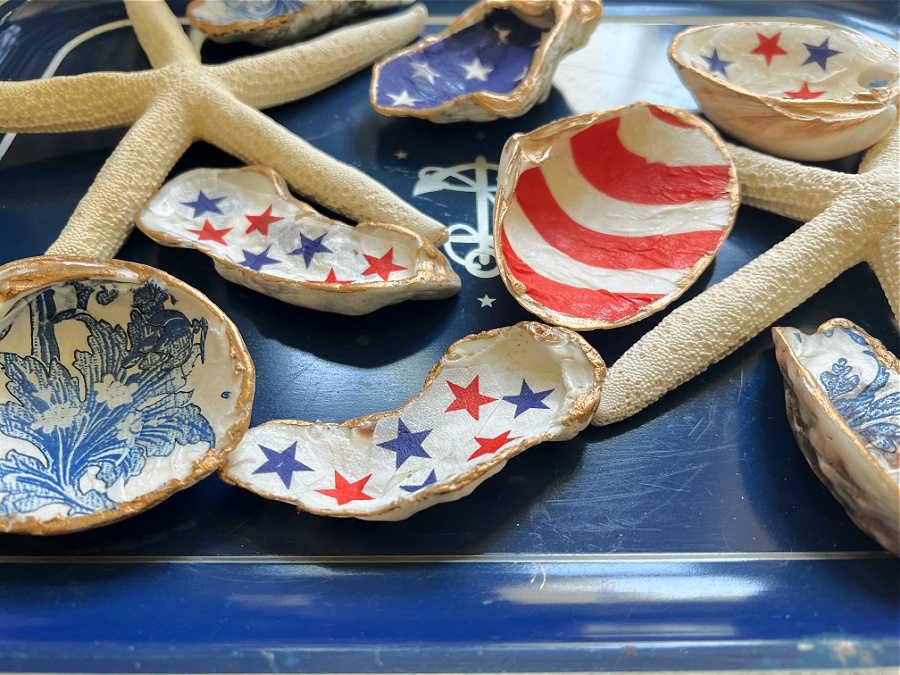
<point x="605" y="218"/>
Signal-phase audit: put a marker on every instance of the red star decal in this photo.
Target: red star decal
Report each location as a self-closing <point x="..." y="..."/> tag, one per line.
<point x="209" y="233"/>
<point x="804" y="92"/>
<point x="488" y="446"/>
<point x="261" y="222"/>
<point x="332" y="279"/>
<point x="345" y="491"/>
<point x="382" y="266"/>
<point x="468" y="398"/>
<point x="768" y="47"/>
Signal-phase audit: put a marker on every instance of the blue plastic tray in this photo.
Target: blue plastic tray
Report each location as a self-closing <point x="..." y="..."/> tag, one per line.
<point x="693" y="535"/>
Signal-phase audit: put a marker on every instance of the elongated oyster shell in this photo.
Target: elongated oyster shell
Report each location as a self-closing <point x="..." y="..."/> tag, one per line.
<point x="842" y="389"/>
<point x="123" y="385"/>
<point x="262" y="238"/>
<point x="604" y="218"/>
<point x="794" y="90"/>
<point x="492" y="396"/>
<point x="496" y="60"/>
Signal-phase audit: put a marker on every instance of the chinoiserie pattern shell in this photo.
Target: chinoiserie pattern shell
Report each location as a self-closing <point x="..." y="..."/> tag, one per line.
<point x="493" y="395"/>
<point x="842" y="389"/>
<point x="496" y="60"/>
<point x="604" y="218"/>
<point x="794" y="90"/>
<point x="271" y="23"/>
<point x="122" y="386"/>
<point x="262" y="238"/>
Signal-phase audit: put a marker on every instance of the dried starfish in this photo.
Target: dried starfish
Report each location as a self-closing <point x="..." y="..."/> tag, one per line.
<point x="851" y="218"/>
<point x="180" y="101"/>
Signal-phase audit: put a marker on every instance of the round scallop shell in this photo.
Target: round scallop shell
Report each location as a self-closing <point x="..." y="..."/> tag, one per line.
<point x="259" y="236"/>
<point x="122" y="385"/>
<point x="271" y="23"/>
<point x="491" y="396"/>
<point x="842" y="389"/>
<point x="604" y="218"/>
<point x="793" y="90"/>
<point x="496" y="60"/>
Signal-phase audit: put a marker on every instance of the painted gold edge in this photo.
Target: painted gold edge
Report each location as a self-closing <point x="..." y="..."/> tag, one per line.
<point x="787" y="106"/>
<point x="499" y="105"/>
<point x="423" y="245"/>
<point x="826" y="405"/>
<point x="480" y="558"/>
<point x="201" y="467"/>
<point x="477" y="471"/>
<point x="245" y="27"/>
<point x="584" y="121"/>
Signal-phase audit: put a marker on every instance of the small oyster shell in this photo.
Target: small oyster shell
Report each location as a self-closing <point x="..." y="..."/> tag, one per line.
<point x="123" y="385"/>
<point x="496" y="60"/>
<point x="842" y="389"/>
<point x="794" y="90"/>
<point x="492" y="396"/>
<point x="604" y="218"/>
<point x="262" y="238"/>
<point x="271" y="23"/>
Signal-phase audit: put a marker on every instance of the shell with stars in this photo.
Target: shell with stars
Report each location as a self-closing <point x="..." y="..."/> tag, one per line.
<point x="795" y="90"/>
<point x="262" y="238"/>
<point x="492" y="395"/>
<point x="496" y="60"/>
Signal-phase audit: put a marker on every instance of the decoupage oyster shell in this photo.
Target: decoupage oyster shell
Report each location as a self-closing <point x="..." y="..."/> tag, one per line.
<point x="491" y="396"/>
<point x="270" y="23"/>
<point x="262" y="238"/>
<point x="842" y="389"/>
<point x="604" y="218"/>
<point x="496" y="60"/>
<point x="121" y="386"/>
<point x="794" y="90"/>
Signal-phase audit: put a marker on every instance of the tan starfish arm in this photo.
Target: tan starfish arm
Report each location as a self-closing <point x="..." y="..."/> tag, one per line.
<point x="884" y="156"/>
<point x="726" y="315"/>
<point x="130" y="176"/>
<point x="160" y="34"/>
<point x="70" y="103"/>
<point x="787" y="188"/>
<point x="884" y="258"/>
<point x="310" y="67"/>
<point x="255" y="139"/>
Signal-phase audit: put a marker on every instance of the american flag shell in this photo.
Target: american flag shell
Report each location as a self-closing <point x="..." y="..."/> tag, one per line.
<point x="497" y="59"/>
<point x="795" y="90"/>
<point x="259" y="236"/>
<point x="493" y="395"/>
<point x="604" y="218"/>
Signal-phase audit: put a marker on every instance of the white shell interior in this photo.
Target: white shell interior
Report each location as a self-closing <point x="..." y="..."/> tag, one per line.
<point x="856" y="66"/>
<point x="450" y="439"/>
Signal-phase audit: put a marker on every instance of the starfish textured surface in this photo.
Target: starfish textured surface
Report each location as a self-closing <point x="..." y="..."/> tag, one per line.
<point x="180" y="101"/>
<point x="851" y="218"/>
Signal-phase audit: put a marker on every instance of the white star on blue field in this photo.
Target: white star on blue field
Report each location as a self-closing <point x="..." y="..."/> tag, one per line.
<point x="492" y="56"/>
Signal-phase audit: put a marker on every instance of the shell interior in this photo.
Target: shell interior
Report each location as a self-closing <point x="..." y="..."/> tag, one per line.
<point x="606" y="217"/>
<point x="791" y="61"/>
<point x="261" y="237"/>
<point x="492" y="396"/>
<point x="120" y="387"/>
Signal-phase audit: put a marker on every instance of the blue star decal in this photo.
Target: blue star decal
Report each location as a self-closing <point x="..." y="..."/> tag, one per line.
<point x="527" y="399"/>
<point x="309" y="247"/>
<point x="204" y="204"/>
<point x="283" y="463"/>
<point x="819" y="54"/>
<point x="428" y="481"/>
<point x="255" y="261"/>
<point x="716" y="64"/>
<point x="407" y="444"/>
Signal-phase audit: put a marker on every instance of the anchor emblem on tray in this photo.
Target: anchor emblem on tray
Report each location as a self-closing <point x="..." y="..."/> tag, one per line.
<point x="471" y="247"/>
